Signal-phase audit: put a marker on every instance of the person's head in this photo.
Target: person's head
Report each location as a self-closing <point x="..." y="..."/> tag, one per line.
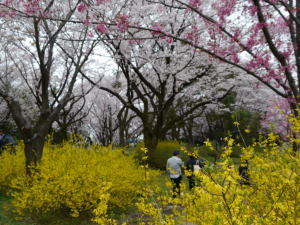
<point x="192" y="155"/>
<point x="244" y="163"/>
<point x="176" y="153"/>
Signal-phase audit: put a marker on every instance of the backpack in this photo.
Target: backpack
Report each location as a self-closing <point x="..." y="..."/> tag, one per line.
<point x="197" y="167"/>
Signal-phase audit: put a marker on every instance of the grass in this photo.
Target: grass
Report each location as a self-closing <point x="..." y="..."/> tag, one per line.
<point x="7" y="217"/>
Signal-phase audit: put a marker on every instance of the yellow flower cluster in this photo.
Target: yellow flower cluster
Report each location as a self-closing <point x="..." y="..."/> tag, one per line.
<point x="11" y="166"/>
<point x="271" y="197"/>
<point x="72" y="177"/>
<point x="98" y="179"/>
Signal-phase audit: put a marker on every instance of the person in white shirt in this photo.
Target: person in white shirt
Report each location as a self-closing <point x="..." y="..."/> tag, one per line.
<point x="173" y="167"/>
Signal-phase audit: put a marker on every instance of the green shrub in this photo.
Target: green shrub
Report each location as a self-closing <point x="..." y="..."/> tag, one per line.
<point x="204" y="151"/>
<point x="165" y="150"/>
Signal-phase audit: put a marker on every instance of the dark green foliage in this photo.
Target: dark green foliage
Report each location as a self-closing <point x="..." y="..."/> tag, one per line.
<point x="158" y="158"/>
<point x="164" y="151"/>
<point x="9" y="127"/>
<point x="222" y="125"/>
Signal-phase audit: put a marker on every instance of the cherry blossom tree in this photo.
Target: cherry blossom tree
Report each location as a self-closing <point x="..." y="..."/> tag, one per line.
<point x="151" y="39"/>
<point x="109" y="121"/>
<point x="216" y="120"/>
<point x="256" y="36"/>
<point x="73" y="115"/>
<point x="160" y="73"/>
<point x="260" y="37"/>
<point x="45" y="57"/>
<point x="6" y="122"/>
<point x="275" y="118"/>
<point x="102" y="120"/>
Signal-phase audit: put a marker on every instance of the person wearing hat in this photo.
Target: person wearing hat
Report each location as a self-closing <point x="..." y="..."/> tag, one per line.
<point x="173" y="167"/>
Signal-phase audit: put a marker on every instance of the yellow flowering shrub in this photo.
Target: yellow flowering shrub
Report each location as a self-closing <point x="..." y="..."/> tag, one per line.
<point x="273" y="196"/>
<point x="77" y="179"/>
<point x="99" y="179"/>
<point x="11" y="165"/>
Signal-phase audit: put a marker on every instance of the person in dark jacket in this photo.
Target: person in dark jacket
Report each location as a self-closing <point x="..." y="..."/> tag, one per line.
<point x="243" y="172"/>
<point x="5" y="141"/>
<point x="191" y="167"/>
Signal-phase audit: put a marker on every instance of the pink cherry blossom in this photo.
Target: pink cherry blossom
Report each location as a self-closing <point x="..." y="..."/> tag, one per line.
<point x="99" y="2"/>
<point x="122" y="23"/>
<point x="8" y="2"/>
<point x="170" y="40"/>
<point x="157" y="29"/>
<point x="235" y="58"/>
<point x="250" y="43"/>
<point x="31" y="6"/>
<point x="253" y="10"/>
<point x="101" y="28"/>
<point x="87" y="21"/>
<point x="195" y="3"/>
<point x="276" y="121"/>
<point x="193" y="35"/>
<point x="82" y="7"/>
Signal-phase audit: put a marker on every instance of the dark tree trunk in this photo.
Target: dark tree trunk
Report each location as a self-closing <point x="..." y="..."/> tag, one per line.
<point x="34" y="145"/>
<point x="122" y="141"/>
<point x="61" y="135"/>
<point x="295" y="111"/>
<point x="188" y="132"/>
<point x="33" y="152"/>
<point x="150" y="140"/>
<point x="175" y="133"/>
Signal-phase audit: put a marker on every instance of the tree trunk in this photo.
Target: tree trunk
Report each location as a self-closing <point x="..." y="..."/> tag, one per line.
<point x="33" y="152"/>
<point x="150" y="141"/>
<point x="121" y="134"/>
<point x="34" y="140"/>
<point x="60" y="136"/>
<point x="295" y="111"/>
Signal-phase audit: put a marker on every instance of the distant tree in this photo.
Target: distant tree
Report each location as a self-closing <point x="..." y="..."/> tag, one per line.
<point x="260" y="37"/>
<point x="156" y="79"/>
<point x="38" y="54"/>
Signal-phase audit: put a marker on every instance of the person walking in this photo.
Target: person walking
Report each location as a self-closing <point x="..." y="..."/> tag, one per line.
<point x="173" y="167"/>
<point x="193" y="165"/>
<point x="244" y="173"/>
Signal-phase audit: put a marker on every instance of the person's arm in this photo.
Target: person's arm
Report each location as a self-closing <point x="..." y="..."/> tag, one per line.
<point x="180" y="162"/>
<point x="189" y="165"/>
<point x="201" y="163"/>
<point x="167" y="167"/>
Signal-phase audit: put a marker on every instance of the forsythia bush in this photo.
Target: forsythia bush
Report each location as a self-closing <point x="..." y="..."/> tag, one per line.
<point x="11" y="166"/>
<point x="273" y="196"/>
<point x="76" y="179"/>
<point x="99" y="179"/>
